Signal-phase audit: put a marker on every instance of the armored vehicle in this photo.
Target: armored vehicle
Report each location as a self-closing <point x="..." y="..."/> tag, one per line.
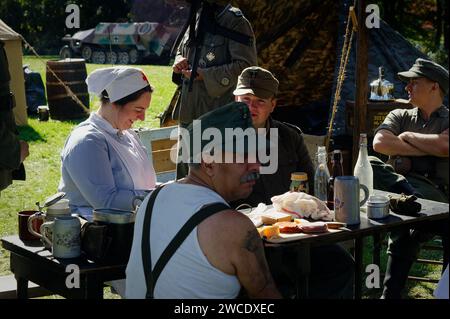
<point x="121" y="43"/>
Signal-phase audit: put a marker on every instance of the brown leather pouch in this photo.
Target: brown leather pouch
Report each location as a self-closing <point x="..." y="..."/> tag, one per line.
<point x="401" y="164"/>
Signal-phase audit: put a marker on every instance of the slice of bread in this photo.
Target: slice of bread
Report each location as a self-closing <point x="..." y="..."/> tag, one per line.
<point x="275" y="217"/>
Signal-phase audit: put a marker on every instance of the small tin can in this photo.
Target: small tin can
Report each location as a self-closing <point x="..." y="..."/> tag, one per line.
<point x="378" y="207"/>
<point x="299" y="182"/>
<point x="43" y="113"/>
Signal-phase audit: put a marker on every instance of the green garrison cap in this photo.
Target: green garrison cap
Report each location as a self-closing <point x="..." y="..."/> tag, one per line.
<point x="257" y="81"/>
<point x="429" y="69"/>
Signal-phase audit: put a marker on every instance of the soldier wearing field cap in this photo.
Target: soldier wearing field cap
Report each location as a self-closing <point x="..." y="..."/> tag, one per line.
<point x="258" y="88"/>
<point x="416" y="141"/>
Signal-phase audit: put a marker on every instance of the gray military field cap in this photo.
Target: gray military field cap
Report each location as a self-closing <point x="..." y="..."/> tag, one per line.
<point x="257" y="81"/>
<point x="429" y="69"/>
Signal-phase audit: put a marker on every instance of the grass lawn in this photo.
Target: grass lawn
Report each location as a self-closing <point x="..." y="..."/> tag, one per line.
<point x="43" y="170"/>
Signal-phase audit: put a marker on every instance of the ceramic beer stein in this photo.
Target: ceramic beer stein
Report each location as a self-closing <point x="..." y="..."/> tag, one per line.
<point x="65" y="236"/>
<point x="346" y="199"/>
<point x="55" y="207"/>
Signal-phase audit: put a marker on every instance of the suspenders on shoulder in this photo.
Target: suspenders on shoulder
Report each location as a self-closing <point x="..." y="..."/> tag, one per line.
<point x="151" y="276"/>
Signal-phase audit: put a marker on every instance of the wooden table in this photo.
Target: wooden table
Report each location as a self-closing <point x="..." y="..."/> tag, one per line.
<point x="431" y="211"/>
<point x="29" y="261"/>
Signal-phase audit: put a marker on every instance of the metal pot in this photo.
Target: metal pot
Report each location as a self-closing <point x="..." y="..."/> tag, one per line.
<point x="113" y="216"/>
<point x="378" y="207"/>
<point x="381" y="89"/>
<point x="119" y="226"/>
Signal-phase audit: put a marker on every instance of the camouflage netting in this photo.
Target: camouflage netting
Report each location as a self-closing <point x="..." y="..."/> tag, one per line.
<point x="301" y="41"/>
<point x="296" y="40"/>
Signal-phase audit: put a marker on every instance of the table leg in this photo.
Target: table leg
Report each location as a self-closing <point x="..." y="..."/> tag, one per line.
<point x="376" y="259"/>
<point x="22" y="287"/>
<point x="93" y="289"/>
<point x="358" y="266"/>
<point x="302" y="277"/>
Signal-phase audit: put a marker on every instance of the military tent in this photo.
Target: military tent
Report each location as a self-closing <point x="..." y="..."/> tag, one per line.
<point x="13" y="47"/>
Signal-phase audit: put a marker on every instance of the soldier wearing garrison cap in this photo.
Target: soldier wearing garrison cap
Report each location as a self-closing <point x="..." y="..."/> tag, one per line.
<point x="258" y="88"/>
<point x="416" y="140"/>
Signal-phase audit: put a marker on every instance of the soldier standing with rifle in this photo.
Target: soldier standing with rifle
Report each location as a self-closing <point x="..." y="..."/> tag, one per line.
<point x="214" y="50"/>
<point x="12" y="151"/>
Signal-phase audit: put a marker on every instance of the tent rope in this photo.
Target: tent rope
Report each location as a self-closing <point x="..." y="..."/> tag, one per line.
<point x="67" y="88"/>
<point x="346" y="47"/>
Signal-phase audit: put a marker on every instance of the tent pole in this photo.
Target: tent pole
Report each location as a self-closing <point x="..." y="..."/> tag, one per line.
<point x="361" y="93"/>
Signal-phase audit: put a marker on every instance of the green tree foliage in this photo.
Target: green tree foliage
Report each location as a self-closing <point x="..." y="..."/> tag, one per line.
<point x="42" y="22"/>
<point x="423" y="22"/>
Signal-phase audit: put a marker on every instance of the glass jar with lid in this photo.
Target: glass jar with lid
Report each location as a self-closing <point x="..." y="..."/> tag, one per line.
<point x="299" y="182"/>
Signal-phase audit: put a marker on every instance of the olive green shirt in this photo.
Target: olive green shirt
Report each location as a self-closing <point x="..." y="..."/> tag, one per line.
<point x="293" y="156"/>
<point x="9" y="141"/>
<point x="411" y="120"/>
<point x="221" y="60"/>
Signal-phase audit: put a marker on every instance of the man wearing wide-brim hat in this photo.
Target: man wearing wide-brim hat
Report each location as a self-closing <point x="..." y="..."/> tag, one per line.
<point x="416" y="140"/>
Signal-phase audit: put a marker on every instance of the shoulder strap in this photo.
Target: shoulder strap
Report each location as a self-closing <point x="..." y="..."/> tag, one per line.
<point x="145" y="242"/>
<point x="151" y="276"/>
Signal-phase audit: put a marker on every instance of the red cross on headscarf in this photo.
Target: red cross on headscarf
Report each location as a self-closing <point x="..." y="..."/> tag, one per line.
<point x="144" y="77"/>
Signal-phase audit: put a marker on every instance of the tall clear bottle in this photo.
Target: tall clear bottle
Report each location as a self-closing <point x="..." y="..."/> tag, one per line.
<point x="336" y="170"/>
<point x="322" y="175"/>
<point x="363" y="169"/>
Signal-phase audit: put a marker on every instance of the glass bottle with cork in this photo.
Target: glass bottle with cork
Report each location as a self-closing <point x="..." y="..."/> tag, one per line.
<point x="336" y="170"/>
<point x="299" y="182"/>
<point x="322" y="175"/>
<point x="363" y="170"/>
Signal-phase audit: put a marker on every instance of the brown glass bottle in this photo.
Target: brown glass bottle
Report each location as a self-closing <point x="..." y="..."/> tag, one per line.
<point x="336" y="170"/>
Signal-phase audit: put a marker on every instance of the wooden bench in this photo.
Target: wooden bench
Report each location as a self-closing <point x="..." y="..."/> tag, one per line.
<point x="8" y="288"/>
<point x="159" y="146"/>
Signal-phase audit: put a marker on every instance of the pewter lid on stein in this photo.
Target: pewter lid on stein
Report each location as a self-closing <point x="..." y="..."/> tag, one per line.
<point x="381" y="89"/>
<point x="49" y="201"/>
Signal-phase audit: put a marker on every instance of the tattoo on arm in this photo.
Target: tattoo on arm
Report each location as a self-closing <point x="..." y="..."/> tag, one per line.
<point x="252" y="243"/>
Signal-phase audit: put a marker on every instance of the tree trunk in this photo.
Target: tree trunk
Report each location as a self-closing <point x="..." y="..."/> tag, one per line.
<point x="438" y="24"/>
<point x="446" y="26"/>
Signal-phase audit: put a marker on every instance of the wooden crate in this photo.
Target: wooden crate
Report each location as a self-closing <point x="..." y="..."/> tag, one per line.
<point x="376" y="113"/>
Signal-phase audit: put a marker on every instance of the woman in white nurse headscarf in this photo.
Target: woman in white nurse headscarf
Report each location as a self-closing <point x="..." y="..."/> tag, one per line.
<point x="104" y="164"/>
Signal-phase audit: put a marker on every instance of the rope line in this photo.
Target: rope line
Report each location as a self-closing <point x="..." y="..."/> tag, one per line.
<point x="346" y="47"/>
<point x="67" y="88"/>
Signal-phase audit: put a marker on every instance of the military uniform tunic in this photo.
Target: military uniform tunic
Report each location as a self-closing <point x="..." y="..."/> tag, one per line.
<point x="293" y="157"/>
<point x="9" y="141"/>
<point x="221" y="61"/>
<point x="431" y="167"/>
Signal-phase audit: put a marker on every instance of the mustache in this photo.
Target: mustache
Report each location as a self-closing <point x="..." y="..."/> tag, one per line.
<point x="253" y="176"/>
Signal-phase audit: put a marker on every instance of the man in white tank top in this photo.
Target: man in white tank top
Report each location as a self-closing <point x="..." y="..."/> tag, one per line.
<point x="224" y="253"/>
